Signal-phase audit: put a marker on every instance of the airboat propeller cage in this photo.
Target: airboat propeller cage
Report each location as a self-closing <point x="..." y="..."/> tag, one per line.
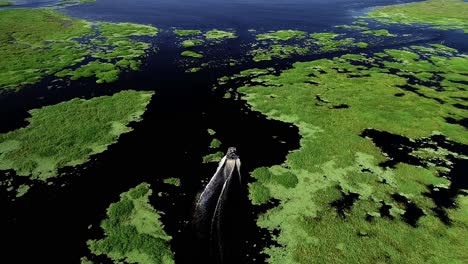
<point x="211" y="206"/>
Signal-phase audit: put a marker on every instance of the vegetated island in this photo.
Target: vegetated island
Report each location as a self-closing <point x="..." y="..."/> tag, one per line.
<point x="215" y="154"/>
<point x="190" y="43"/>
<point x="383" y="138"/>
<point x="133" y="231"/>
<point x="441" y="14"/>
<point x="39" y="42"/>
<point x="219" y="34"/>
<point x="192" y="54"/>
<point x="68" y="133"/>
<point x="282" y="35"/>
<point x="187" y="32"/>
<point x="5" y="3"/>
<point x="270" y="48"/>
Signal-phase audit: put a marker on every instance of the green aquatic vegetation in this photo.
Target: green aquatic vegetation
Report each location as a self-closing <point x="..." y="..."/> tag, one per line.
<point x="355" y="27"/>
<point x="192" y="54"/>
<point x="442" y="14"/>
<point x="215" y="143"/>
<point x="30" y="27"/>
<point x="253" y="72"/>
<point x="186" y="32"/>
<point x="211" y="132"/>
<point x="219" y="34"/>
<point x="440" y="47"/>
<point x="360" y="22"/>
<point x="104" y="72"/>
<point x="85" y="260"/>
<point x="63" y="3"/>
<point x="5" y="3"/>
<point x="362" y="45"/>
<point x="68" y="133"/>
<point x="22" y="190"/>
<point x="325" y="36"/>
<point x="277" y="51"/>
<point x="39" y="42"/>
<point x="26" y="56"/>
<point x="327" y="42"/>
<point x="258" y="193"/>
<point x="193" y="70"/>
<point x="247" y="73"/>
<point x="113" y="30"/>
<point x="402" y="55"/>
<point x="429" y="64"/>
<point x="282" y="35"/>
<point x="213" y="157"/>
<point x="133" y="231"/>
<point x="379" y="33"/>
<point x="122" y="49"/>
<point x="334" y="160"/>
<point x="190" y="43"/>
<point x="21" y="65"/>
<point x="172" y="181"/>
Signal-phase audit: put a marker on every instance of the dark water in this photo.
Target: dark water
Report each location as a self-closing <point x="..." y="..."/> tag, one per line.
<point x="52" y="223"/>
<point x="310" y="15"/>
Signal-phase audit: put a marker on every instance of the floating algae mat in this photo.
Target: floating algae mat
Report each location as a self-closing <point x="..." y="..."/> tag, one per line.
<point x="350" y="118"/>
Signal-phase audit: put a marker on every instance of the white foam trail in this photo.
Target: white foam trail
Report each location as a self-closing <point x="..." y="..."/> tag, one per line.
<point x="213" y="195"/>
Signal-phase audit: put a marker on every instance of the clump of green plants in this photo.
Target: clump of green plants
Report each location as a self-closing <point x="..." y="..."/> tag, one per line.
<point x="133" y="231"/>
<point x="187" y="32"/>
<point x="190" y="43"/>
<point x="114" y="30"/>
<point x="328" y="42"/>
<point x="5" y="3"/>
<point x="192" y="54"/>
<point x="38" y="42"/>
<point x="355" y="27"/>
<point x="379" y="33"/>
<point x="213" y="157"/>
<point x="215" y="144"/>
<point x="22" y="190"/>
<point x="277" y="51"/>
<point x="172" y="181"/>
<point x="104" y="72"/>
<point x="211" y="132"/>
<point x="442" y="14"/>
<point x="26" y="54"/>
<point x="68" y="133"/>
<point x="333" y="102"/>
<point x="282" y="35"/>
<point x="219" y="34"/>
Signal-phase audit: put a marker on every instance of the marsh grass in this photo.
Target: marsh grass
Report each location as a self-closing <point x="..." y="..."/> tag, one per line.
<point x="172" y="181"/>
<point x="282" y="35"/>
<point x="379" y="33"/>
<point x="38" y="42"/>
<point x="216" y="34"/>
<point x="187" y="32"/>
<point x="191" y="54"/>
<point x="133" y="231"/>
<point x="442" y="14"/>
<point x="277" y="51"/>
<point x="68" y="133"/>
<point x="5" y="3"/>
<point x="334" y="160"/>
<point x="190" y="43"/>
